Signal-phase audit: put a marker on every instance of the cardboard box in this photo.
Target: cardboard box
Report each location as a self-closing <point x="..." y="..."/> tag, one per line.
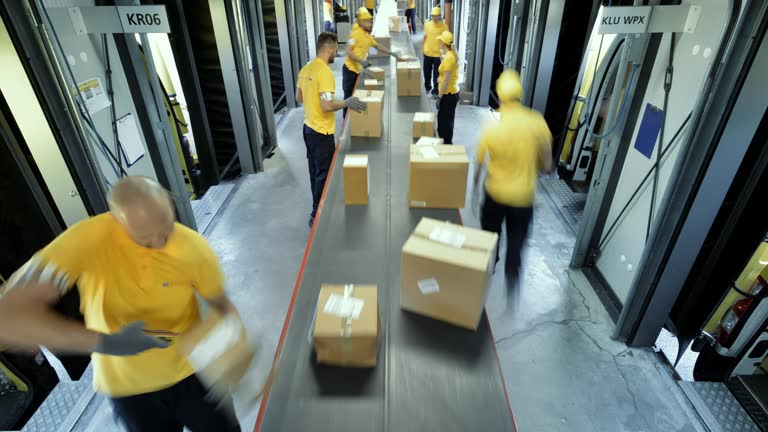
<point x="385" y="41"/>
<point x="446" y="270"/>
<point x="438" y="176"/>
<point x="429" y="141"/>
<point x="376" y="73"/>
<point x="356" y="179"/>
<point x="409" y="78"/>
<point x="373" y="84"/>
<point x="368" y="122"/>
<point x="398" y="24"/>
<point x="423" y="124"/>
<point x="218" y="350"/>
<point x="347" y="325"/>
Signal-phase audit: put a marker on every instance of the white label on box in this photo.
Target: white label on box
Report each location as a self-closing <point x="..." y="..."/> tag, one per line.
<point x="221" y="338"/>
<point x="344" y="307"/>
<point x="429" y="141"/>
<point x="428" y="286"/>
<point x="422" y="117"/>
<point x="356" y="161"/>
<point x="448" y="237"/>
<point x="429" y="153"/>
<point x="418" y="203"/>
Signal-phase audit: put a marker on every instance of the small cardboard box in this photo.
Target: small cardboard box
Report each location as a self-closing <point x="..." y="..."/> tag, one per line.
<point x="368" y="122"/>
<point x="347" y="325"/>
<point x="398" y="23"/>
<point x="445" y="272"/>
<point x="373" y="84"/>
<point x="429" y="141"/>
<point x="438" y="176"/>
<point x="356" y="179"/>
<point x="423" y="124"/>
<point x="218" y="350"/>
<point x="376" y="73"/>
<point x="409" y="78"/>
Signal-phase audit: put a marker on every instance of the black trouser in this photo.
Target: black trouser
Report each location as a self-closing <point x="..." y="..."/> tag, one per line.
<point x="320" y="150"/>
<point x="348" y="80"/>
<point x="170" y="410"/>
<point x="431" y="67"/>
<point x="517" y="221"/>
<point x="411" y="15"/>
<point x="370" y="10"/>
<point x="446" y="115"/>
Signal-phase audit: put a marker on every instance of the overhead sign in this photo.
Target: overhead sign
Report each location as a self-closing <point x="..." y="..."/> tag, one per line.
<point x="624" y="19"/>
<point x="144" y="19"/>
<point x="119" y="19"/>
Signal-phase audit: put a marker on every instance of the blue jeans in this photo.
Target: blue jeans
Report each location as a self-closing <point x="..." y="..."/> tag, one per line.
<point x="411" y="15"/>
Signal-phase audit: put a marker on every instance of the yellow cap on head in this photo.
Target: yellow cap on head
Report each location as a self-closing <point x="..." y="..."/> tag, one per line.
<point x="437" y="11"/>
<point x="363" y="14"/>
<point x="508" y="86"/>
<point x="446" y="37"/>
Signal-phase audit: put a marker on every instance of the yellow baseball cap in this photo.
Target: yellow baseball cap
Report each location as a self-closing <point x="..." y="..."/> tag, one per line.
<point x="437" y="11"/>
<point x="508" y="86"/>
<point x="363" y="14"/>
<point x="446" y="37"/>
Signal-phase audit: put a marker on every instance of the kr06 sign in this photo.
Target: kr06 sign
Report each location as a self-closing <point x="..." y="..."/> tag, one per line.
<point x="624" y="19"/>
<point x="144" y="19"/>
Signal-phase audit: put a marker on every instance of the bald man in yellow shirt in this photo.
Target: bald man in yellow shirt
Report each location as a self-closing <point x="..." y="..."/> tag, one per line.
<point x="515" y="149"/>
<point x="138" y="273"/>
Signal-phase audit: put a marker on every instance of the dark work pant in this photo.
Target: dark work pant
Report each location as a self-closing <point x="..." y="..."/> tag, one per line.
<point x="446" y="115"/>
<point x="348" y="81"/>
<point x="329" y="26"/>
<point x="320" y="149"/>
<point x="370" y="10"/>
<point x="517" y="221"/>
<point x="171" y="409"/>
<point x="411" y="15"/>
<point x="431" y="66"/>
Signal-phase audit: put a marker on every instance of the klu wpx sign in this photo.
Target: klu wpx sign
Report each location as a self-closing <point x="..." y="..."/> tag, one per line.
<point x="624" y="19"/>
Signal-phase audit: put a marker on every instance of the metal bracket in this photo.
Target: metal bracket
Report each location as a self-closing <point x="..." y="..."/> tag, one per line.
<point x="77" y="20"/>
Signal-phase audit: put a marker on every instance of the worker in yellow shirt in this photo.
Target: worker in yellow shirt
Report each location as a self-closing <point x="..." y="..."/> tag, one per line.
<point x="138" y="273"/>
<point x="371" y="6"/>
<point x="316" y="90"/>
<point x="410" y="13"/>
<point x="360" y="42"/>
<point x="431" y="49"/>
<point x="328" y="16"/>
<point x="448" y="88"/>
<point x="515" y="150"/>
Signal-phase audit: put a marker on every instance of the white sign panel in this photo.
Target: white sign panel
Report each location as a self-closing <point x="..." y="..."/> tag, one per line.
<point x="144" y="19"/>
<point x="624" y="19"/>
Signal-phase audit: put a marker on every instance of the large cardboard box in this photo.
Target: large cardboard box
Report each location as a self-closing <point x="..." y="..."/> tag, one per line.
<point x="356" y="179"/>
<point x="373" y="84"/>
<point x="376" y="73"/>
<point x="398" y="23"/>
<point x="368" y="122"/>
<point x="409" y="78"/>
<point x="445" y="272"/>
<point x="438" y="176"/>
<point x="423" y="124"/>
<point x="218" y="350"/>
<point x="347" y="325"/>
<point x="429" y="141"/>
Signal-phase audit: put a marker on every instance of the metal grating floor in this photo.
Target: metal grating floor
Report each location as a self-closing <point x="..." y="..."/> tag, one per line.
<point x="61" y="408"/>
<point x="718" y="407"/>
<point x="570" y="204"/>
<point x="205" y="209"/>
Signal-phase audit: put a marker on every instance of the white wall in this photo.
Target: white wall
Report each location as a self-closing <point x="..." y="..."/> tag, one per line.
<point x="693" y="56"/>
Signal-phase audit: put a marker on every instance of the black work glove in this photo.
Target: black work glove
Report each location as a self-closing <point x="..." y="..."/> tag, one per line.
<point x="355" y="104"/>
<point x="130" y="340"/>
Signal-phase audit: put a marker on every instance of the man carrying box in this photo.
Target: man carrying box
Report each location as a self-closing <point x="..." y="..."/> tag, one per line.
<point x="316" y="89"/>
<point x="431" y="49"/>
<point x="360" y="43"/>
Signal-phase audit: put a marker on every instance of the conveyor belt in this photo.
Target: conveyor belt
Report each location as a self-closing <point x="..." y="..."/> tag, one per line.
<point x="430" y="376"/>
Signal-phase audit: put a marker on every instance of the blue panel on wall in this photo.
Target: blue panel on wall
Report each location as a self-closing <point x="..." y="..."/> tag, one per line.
<point x="649" y="130"/>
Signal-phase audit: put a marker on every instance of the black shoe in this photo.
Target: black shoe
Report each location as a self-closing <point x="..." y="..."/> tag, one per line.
<point x="311" y="221"/>
<point x="434" y="93"/>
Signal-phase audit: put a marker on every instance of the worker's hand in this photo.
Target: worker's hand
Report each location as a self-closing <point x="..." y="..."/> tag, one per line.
<point x="437" y="103"/>
<point x="365" y="73"/>
<point x="355" y="104"/>
<point x="130" y="340"/>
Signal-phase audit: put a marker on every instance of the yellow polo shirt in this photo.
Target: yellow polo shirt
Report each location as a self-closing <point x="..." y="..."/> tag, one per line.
<point x="449" y="64"/>
<point x="512" y="146"/>
<point x="361" y="42"/>
<point x="370" y="4"/>
<point x="431" y="31"/>
<point x="411" y="4"/>
<point x="121" y="282"/>
<point x="315" y="81"/>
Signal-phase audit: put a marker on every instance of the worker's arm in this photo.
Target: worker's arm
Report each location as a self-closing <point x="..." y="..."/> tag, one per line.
<point x="545" y="156"/>
<point x="330" y="104"/>
<point x="222" y="305"/>
<point x="299" y="95"/>
<point x="444" y="85"/>
<point x="351" y="54"/>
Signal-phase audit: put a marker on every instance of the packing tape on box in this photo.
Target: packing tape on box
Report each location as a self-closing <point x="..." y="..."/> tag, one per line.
<point x="423" y="117"/>
<point x="428" y="286"/>
<point x="346" y="323"/>
<point x="428" y="152"/>
<point x="222" y="337"/>
<point x="448" y="237"/>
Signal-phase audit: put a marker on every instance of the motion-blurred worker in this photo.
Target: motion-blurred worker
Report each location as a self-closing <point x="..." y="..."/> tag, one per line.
<point x="360" y="42"/>
<point x="370" y="5"/>
<point x="448" y="92"/>
<point x="328" y="16"/>
<point x="316" y="89"/>
<point x="410" y="13"/>
<point x="137" y="272"/>
<point x="517" y="148"/>
<point x="431" y="50"/>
